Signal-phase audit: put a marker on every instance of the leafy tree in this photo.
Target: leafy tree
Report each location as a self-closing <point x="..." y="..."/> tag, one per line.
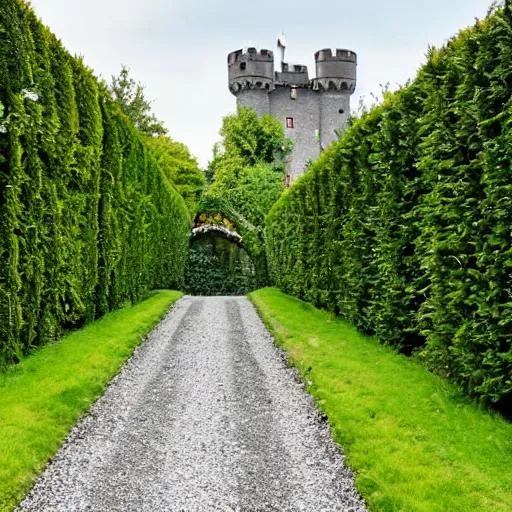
<point x="130" y="97"/>
<point x="246" y="177"/>
<point x="175" y="160"/>
<point x="250" y="139"/>
<point x="248" y="165"/>
<point x="180" y="167"/>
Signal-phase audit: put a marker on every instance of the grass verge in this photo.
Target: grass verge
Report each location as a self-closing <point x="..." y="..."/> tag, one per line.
<point x="42" y="397"/>
<point x="414" y="442"/>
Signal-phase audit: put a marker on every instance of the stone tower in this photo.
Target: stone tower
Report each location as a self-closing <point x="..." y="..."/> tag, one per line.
<point x="313" y="111"/>
<point x="251" y="77"/>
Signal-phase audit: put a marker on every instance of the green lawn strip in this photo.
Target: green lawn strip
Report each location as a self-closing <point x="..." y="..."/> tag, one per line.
<point x="414" y="442"/>
<point x="42" y="397"/>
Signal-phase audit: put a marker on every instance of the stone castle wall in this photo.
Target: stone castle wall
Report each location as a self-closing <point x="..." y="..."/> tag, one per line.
<point x="305" y="112"/>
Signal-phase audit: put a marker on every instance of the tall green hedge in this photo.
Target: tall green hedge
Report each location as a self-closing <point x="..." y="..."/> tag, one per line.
<point x="87" y="220"/>
<point x="404" y="226"/>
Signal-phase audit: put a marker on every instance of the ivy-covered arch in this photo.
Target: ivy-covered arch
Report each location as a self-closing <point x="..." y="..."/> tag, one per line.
<point x="233" y="236"/>
<point x="227" y="254"/>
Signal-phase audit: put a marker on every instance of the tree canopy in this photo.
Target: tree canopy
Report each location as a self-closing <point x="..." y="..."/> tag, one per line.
<point x="173" y="157"/>
<point x="180" y="168"/>
<point x="254" y="139"/>
<point x="129" y="95"/>
<point x="248" y="165"/>
<point x="246" y="177"/>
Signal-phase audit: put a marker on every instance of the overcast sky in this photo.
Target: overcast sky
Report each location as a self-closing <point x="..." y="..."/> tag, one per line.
<point x="178" y="48"/>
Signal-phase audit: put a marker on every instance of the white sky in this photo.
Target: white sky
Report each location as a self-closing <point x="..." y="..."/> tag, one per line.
<point x="178" y="48"/>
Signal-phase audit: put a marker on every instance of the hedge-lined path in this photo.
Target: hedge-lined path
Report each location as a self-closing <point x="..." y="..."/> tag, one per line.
<point x="205" y="416"/>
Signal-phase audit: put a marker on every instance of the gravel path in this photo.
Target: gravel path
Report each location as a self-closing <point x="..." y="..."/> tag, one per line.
<point x="205" y="416"/>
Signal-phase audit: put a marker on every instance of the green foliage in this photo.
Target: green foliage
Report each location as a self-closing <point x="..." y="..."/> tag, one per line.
<point x="87" y="220"/>
<point x="247" y="177"/>
<point x="174" y="158"/>
<point x="414" y="441"/>
<point x="217" y="266"/>
<point x="44" y="395"/>
<point x="180" y="167"/>
<point x="251" y="138"/>
<point x="129" y="95"/>
<point x="249" y="172"/>
<point x="251" y="190"/>
<point x="403" y="226"/>
<point x="222" y="211"/>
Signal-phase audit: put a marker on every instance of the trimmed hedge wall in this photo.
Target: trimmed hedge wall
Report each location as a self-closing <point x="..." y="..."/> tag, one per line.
<point x="87" y="220"/>
<point x="404" y="227"/>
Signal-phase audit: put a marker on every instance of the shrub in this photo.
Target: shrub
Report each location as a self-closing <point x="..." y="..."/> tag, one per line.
<point x="403" y="226"/>
<point x="87" y="220"/>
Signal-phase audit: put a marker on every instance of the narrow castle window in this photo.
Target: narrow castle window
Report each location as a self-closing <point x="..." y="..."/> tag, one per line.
<point x="341" y="111"/>
<point x="293" y="93"/>
<point x="243" y="65"/>
<point x="289" y="122"/>
<point x="287" y="181"/>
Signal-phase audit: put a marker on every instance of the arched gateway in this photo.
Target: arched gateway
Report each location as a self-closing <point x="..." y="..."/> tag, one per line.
<point x="219" y="229"/>
<point x="218" y="262"/>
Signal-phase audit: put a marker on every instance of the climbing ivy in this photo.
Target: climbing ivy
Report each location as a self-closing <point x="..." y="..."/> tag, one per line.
<point x="217" y="266"/>
<point x="219" y="210"/>
<point x="87" y="221"/>
<point x="404" y="226"/>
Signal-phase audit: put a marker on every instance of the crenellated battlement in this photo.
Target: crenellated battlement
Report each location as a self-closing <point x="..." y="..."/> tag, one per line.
<point x="250" y="54"/>
<point x="253" y="69"/>
<point x="294" y="68"/>
<point x="335" y="70"/>
<point x="292" y="74"/>
<point x="250" y="69"/>
<point x="338" y="55"/>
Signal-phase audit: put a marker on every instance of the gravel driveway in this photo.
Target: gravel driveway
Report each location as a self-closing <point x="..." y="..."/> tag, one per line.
<point x="205" y="416"/>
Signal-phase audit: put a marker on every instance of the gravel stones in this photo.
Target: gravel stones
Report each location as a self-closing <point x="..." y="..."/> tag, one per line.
<point x="205" y="416"/>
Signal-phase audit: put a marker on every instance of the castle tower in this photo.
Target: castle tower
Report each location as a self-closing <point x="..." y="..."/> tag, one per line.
<point x="294" y="102"/>
<point x="251" y="78"/>
<point x="336" y="81"/>
<point x="313" y="112"/>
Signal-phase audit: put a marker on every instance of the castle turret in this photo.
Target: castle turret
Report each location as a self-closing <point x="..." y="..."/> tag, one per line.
<point x="251" y="78"/>
<point x="336" y="70"/>
<point x="336" y="74"/>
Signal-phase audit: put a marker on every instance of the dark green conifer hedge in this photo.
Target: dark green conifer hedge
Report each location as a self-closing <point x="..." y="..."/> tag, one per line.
<point x="404" y="226"/>
<point x="87" y="220"/>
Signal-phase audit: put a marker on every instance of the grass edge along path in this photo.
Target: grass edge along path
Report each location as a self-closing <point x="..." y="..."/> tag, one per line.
<point x="414" y="442"/>
<point x="42" y="397"/>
